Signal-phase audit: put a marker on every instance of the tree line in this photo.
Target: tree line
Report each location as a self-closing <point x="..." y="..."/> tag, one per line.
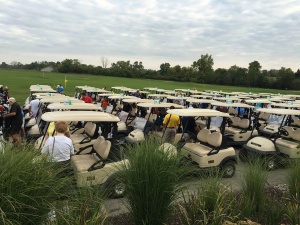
<point x="200" y="71"/>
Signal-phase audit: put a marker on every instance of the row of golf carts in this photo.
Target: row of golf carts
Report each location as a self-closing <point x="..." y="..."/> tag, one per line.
<point x="100" y="138"/>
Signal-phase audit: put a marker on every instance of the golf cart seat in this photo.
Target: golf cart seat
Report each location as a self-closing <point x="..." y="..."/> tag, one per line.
<point x="242" y="133"/>
<point x="88" y="162"/>
<point x="201" y="148"/>
<point x="87" y="148"/>
<point x="240" y="126"/>
<point x="296" y="122"/>
<point x="208" y="153"/>
<point x="231" y="111"/>
<point x="290" y="146"/>
<point x="213" y="140"/>
<point x="90" y="132"/>
<point x="262" y="118"/>
<point x="201" y="122"/>
<point x="151" y="117"/>
<point x="92" y="169"/>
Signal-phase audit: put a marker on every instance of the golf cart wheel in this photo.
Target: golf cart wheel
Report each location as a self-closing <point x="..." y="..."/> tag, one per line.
<point x="243" y="155"/>
<point x="270" y="163"/>
<point x="115" y="187"/>
<point x="228" y="169"/>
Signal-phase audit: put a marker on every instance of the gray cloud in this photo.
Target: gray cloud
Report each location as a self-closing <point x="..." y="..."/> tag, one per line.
<point x="178" y="32"/>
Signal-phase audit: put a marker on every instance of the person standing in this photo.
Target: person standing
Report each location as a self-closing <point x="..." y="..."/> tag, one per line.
<point x="34" y="107"/>
<point x="14" y="120"/>
<point x="190" y="126"/>
<point x="170" y="123"/>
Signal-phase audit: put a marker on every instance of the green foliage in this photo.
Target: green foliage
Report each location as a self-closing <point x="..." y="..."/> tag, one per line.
<point x="210" y="204"/>
<point x="293" y="211"/>
<point x="294" y="180"/>
<point x="253" y="188"/>
<point x="152" y="180"/>
<point x="27" y="189"/>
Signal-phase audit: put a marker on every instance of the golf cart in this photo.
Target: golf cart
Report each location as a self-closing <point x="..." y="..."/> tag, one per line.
<point x="96" y="167"/>
<point x="275" y="150"/>
<point x="126" y="119"/>
<point x="210" y="150"/>
<point x="138" y="135"/>
<point x="273" y="121"/>
<point x="32" y="127"/>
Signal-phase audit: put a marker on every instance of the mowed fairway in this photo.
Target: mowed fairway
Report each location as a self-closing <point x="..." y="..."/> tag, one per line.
<point x="19" y="81"/>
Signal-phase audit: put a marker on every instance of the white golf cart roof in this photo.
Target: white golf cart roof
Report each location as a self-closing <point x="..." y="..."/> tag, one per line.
<point x="258" y="100"/>
<point x="43" y="94"/>
<point x="194" y="92"/>
<point x="87" y="116"/>
<point x="158" y="95"/>
<point x="42" y="89"/>
<point x="136" y="100"/>
<point x="202" y="96"/>
<point x="60" y="99"/>
<point x="280" y="111"/>
<point x="121" y="96"/>
<point x="77" y="106"/>
<point x="197" y="112"/>
<point x="159" y="105"/>
<point x="107" y="94"/>
<point x="177" y="98"/>
<point x="233" y="98"/>
<point x="96" y="90"/>
<point x="289" y="104"/>
<point x="199" y="100"/>
<point x="224" y="104"/>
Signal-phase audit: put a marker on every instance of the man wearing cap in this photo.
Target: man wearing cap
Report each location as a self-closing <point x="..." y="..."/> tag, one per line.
<point x="14" y="120"/>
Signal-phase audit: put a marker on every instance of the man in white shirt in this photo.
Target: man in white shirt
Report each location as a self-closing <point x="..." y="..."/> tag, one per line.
<point x="34" y="107"/>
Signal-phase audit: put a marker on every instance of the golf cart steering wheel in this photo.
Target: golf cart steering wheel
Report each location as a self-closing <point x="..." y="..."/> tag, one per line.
<point x="283" y="131"/>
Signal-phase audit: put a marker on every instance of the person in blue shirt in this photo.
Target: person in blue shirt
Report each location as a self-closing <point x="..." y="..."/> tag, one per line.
<point x="242" y="112"/>
<point x="137" y="94"/>
<point x="60" y="89"/>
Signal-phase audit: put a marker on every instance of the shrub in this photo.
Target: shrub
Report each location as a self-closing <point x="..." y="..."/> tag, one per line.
<point x="152" y="180"/>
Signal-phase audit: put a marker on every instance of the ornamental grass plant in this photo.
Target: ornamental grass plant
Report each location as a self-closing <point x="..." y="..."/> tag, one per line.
<point x="253" y="188"/>
<point x="27" y="188"/>
<point x="31" y="188"/>
<point x="211" y="203"/>
<point x="152" y="181"/>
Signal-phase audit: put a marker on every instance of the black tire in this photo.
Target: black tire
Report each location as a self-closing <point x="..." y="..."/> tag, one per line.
<point x="270" y="163"/>
<point x="114" y="187"/>
<point x="228" y="169"/>
<point x="243" y="155"/>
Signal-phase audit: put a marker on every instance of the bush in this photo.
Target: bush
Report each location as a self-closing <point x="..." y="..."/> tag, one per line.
<point x="210" y="204"/>
<point x="27" y="189"/>
<point x="151" y="180"/>
<point x="253" y="188"/>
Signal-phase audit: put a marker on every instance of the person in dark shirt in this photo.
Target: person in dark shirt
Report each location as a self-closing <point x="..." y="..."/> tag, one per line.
<point x="14" y="120"/>
<point x="190" y="126"/>
<point x="160" y="118"/>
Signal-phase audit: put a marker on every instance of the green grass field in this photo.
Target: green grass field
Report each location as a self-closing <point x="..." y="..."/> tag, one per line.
<point x="19" y="81"/>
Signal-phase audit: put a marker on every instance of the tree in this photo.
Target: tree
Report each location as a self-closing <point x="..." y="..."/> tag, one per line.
<point x="164" y="68"/>
<point x="203" y="68"/>
<point x="4" y="65"/>
<point x="104" y="62"/>
<point x="253" y="73"/>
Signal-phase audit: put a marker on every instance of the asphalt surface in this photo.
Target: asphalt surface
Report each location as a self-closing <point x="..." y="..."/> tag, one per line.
<point x="276" y="177"/>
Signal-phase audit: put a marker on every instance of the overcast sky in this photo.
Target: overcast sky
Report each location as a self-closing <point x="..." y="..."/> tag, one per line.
<point x="234" y="32"/>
